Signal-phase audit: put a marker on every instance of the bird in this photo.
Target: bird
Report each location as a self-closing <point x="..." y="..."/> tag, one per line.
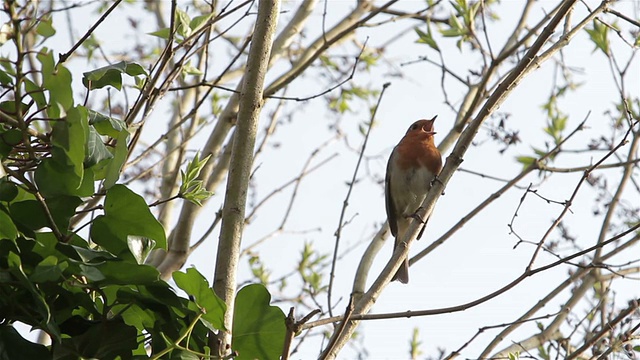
<point x="413" y="166"/>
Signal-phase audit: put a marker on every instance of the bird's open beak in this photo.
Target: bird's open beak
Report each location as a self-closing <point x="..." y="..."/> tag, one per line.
<point x="428" y="132"/>
<point x="432" y="121"/>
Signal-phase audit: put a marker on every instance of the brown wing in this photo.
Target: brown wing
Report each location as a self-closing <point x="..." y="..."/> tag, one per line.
<point x="391" y="210"/>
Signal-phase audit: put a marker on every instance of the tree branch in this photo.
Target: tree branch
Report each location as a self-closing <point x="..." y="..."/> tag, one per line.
<point x="233" y="212"/>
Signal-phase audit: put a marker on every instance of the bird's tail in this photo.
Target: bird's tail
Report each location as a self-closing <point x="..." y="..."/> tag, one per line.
<point x="402" y="274"/>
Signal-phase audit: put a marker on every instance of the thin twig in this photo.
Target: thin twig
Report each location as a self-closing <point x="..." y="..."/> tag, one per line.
<point x="63" y="57"/>
<point x="345" y="203"/>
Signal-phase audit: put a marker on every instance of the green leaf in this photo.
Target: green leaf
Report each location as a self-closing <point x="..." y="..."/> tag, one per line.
<point x="35" y="299"/>
<point x="70" y="136"/>
<point x="108" y="339"/>
<point x="126" y="214"/>
<point x="62" y="173"/>
<point x="162" y="33"/>
<point x="5" y="79"/>
<point x="182" y="23"/>
<point x="8" y="190"/>
<point x="48" y="270"/>
<point x="179" y="354"/>
<point x="8" y="229"/>
<point x="193" y="283"/>
<point x="45" y="27"/>
<point x="135" y="315"/>
<point x="599" y="36"/>
<point x="191" y="188"/>
<point x="35" y="92"/>
<point x="526" y="160"/>
<point x="134" y="69"/>
<point x="106" y="125"/>
<point x="105" y="76"/>
<point x="455" y="27"/>
<point x="55" y="179"/>
<point x="91" y="44"/>
<point x="189" y="69"/>
<point x="97" y="151"/>
<point x="57" y="80"/>
<point x="427" y="38"/>
<point x="258" y="328"/>
<point x="9" y="139"/>
<point x="14" y="346"/>
<point x="125" y="273"/>
<point x="31" y="215"/>
<point x="199" y="21"/>
<point x="119" y="157"/>
<point x="9" y="107"/>
<point x="62" y="208"/>
<point x="111" y="75"/>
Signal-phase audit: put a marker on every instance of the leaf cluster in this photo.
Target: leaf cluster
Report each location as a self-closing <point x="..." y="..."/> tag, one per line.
<point x="85" y="283"/>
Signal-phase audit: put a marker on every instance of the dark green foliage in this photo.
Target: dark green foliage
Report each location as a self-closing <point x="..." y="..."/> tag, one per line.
<point x="73" y="242"/>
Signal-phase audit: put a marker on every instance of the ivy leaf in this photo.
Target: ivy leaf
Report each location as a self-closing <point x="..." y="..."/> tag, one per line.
<point x="96" y="149"/>
<point x="108" y="339"/>
<point x="29" y="214"/>
<point x="62" y="174"/>
<point x="70" y="137"/>
<point x="19" y="348"/>
<point x="8" y="139"/>
<point x="126" y="214"/>
<point x="8" y="190"/>
<point x="112" y="171"/>
<point x="35" y="92"/>
<point x="106" y="125"/>
<point x="194" y="284"/>
<point x="258" y="328"/>
<point x="8" y="229"/>
<point x="49" y="270"/>
<point x="57" y="80"/>
<point x="36" y="301"/>
<point x="111" y="75"/>
<point x="45" y="27"/>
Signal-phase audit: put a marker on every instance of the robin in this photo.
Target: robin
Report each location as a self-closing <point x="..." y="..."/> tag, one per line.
<point x="413" y="165"/>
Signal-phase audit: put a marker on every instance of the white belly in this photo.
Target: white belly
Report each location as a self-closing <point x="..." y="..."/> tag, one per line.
<point x="410" y="188"/>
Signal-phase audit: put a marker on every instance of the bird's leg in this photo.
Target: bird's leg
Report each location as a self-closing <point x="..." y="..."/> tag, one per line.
<point x="416" y="216"/>
<point x="435" y="180"/>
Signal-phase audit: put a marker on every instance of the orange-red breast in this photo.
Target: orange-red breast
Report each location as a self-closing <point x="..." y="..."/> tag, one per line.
<point x="413" y="165"/>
